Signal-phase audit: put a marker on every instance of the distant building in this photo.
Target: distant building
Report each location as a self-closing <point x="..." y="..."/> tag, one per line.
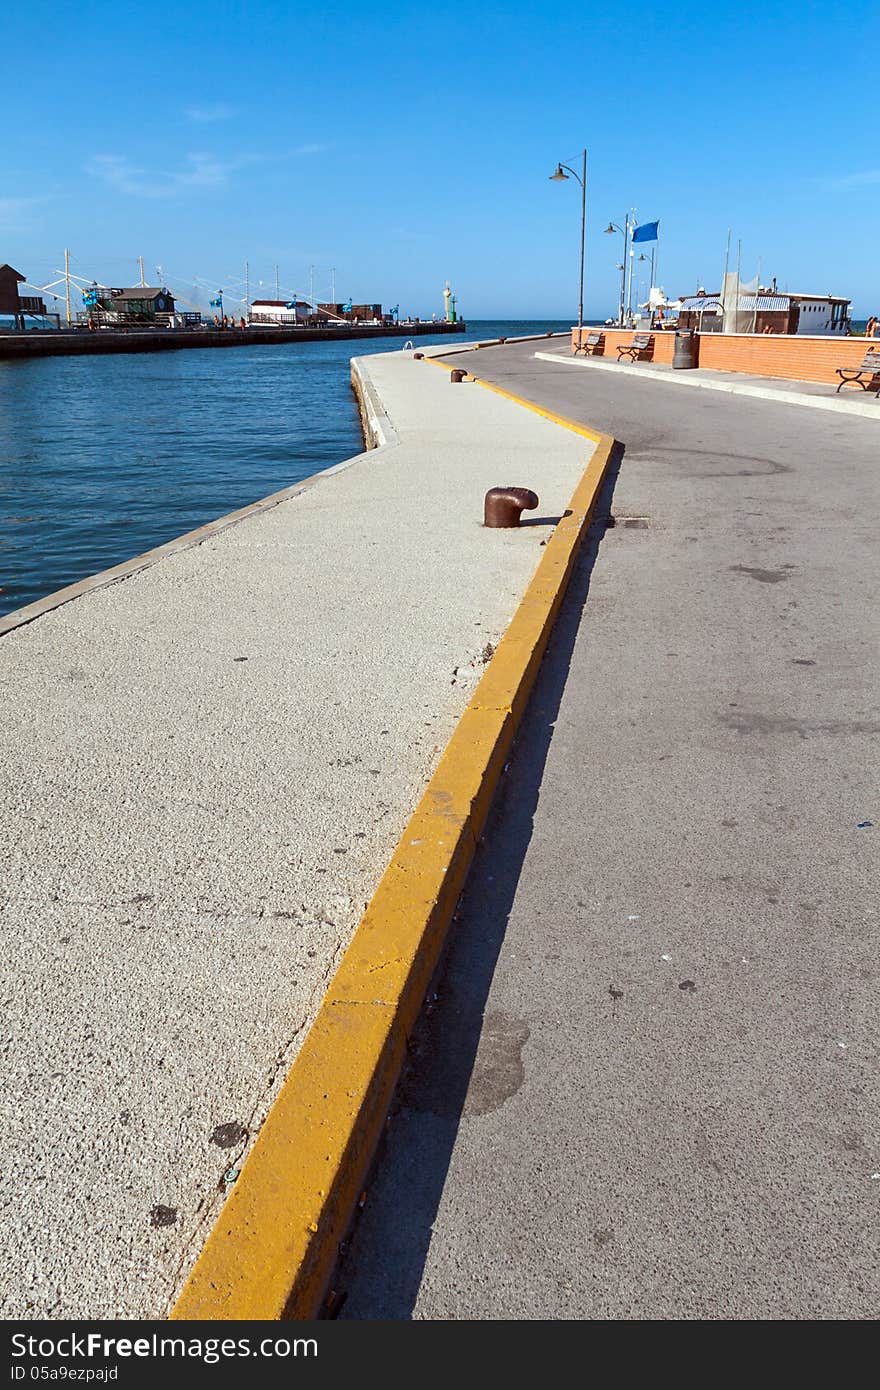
<point x="139" y="305"/>
<point x="816" y="315"/>
<point x="821" y="315"/>
<point x="20" y="307"/>
<point x="365" y="313"/>
<point x="280" y="312"/>
<point x="352" y="313"/>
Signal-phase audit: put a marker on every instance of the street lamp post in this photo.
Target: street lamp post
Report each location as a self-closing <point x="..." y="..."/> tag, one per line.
<point x="625" y="230"/>
<point x="557" y="177"/>
<point x="642" y="257"/>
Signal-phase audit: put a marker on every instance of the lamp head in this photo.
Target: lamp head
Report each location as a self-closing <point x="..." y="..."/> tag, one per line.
<point x="559" y="175"/>
<point x="610" y="229"/>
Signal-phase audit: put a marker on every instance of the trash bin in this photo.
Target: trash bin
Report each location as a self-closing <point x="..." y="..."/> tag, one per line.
<point x="685" y="349"/>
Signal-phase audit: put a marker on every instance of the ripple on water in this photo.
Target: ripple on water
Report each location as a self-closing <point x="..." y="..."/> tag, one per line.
<point x="102" y="458"/>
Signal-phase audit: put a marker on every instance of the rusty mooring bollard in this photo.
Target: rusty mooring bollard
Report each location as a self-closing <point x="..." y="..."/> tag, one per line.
<point x="504" y="504"/>
<point x="417" y="356"/>
<point x="457" y="374"/>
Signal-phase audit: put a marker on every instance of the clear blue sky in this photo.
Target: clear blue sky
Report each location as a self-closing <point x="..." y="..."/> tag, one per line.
<point x="407" y="143"/>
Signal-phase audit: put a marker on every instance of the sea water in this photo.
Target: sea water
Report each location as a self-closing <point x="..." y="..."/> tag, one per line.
<point x="104" y="457"/>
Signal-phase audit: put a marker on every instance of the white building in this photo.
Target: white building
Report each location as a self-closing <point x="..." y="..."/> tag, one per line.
<point x="281" y="312"/>
<point x="819" y="315"/>
<point x="768" y="311"/>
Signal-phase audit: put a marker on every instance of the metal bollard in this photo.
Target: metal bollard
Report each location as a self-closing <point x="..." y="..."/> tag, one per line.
<point x="457" y="374"/>
<point x="503" y="505"/>
<point x="417" y="356"/>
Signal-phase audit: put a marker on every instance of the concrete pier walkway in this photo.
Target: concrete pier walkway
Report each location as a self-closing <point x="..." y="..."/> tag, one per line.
<point x="649" y="1085"/>
<point x="206" y="766"/>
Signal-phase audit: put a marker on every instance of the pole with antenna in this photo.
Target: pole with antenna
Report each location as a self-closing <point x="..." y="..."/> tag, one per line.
<point x="247" y="290"/>
<point x="724" y="299"/>
<point x="67" y="282"/>
<point x="333" y="285"/>
<point x="312" y="285"/>
<point x="141" y="264"/>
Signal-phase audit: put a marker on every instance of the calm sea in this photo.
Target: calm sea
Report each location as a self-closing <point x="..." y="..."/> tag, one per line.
<point x="102" y="458"/>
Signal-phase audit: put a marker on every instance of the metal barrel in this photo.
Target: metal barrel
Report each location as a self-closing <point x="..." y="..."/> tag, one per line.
<point x="685" y="354"/>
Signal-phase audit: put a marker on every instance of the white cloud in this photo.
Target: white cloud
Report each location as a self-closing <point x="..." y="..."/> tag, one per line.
<point x="200" y="172"/>
<point x="857" y="180"/>
<point x="207" y="114"/>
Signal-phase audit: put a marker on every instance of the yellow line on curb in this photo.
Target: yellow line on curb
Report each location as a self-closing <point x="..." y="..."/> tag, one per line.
<point x="275" y="1242"/>
<point x="574" y="425"/>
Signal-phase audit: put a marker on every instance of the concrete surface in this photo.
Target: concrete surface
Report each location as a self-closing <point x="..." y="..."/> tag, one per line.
<point x="816" y="395"/>
<point x="649" y="1085"/>
<point x="206" y="768"/>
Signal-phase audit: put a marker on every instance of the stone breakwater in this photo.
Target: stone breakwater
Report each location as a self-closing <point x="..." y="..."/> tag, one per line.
<point x="22" y="346"/>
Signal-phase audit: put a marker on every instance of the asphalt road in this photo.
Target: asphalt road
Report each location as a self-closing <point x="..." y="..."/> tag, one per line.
<point x="648" y="1087"/>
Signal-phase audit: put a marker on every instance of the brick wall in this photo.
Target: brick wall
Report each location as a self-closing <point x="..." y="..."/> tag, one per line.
<point x="614" y="338"/>
<point x="789" y="356"/>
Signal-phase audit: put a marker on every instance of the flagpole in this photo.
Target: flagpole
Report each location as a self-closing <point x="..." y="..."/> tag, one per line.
<point x="652" y="230"/>
<point x="724" y="284"/>
<point x="630" y="276"/>
<point x="623" y="269"/>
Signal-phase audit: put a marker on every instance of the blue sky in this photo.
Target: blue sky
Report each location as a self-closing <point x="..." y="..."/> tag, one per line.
<point x="409" y="143"/>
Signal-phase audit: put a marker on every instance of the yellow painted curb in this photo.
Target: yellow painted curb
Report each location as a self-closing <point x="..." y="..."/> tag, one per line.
<point x="275" y="1242"/>
<point x="574" y="425"/>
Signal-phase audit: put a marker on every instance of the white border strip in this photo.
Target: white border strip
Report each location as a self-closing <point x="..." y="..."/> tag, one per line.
<point x="733" y="388"/>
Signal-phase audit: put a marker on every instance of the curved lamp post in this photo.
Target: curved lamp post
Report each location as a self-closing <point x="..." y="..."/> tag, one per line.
<point x="628" y="226"/>
<point x="559" y="176"/>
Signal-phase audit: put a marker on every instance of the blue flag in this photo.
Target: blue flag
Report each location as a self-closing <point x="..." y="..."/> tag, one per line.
<point x="646" y="232"/>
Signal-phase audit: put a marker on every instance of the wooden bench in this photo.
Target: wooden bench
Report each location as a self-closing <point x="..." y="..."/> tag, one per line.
<point x="640" y="346"/>
<point x="867" y="375"/>
<point x="594" y="343"/>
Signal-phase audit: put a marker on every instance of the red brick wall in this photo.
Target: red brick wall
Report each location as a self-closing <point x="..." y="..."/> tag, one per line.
<point x="791" y="357"/>
<point x="664" y="343"/>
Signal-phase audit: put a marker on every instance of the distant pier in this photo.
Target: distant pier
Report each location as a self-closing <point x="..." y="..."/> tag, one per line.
<point x="73" y="342"/>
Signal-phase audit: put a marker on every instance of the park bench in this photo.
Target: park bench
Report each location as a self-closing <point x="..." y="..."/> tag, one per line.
<point x="867" y="375"/>
<point x="591" y="345"/>
<point x="641" y="345"/>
